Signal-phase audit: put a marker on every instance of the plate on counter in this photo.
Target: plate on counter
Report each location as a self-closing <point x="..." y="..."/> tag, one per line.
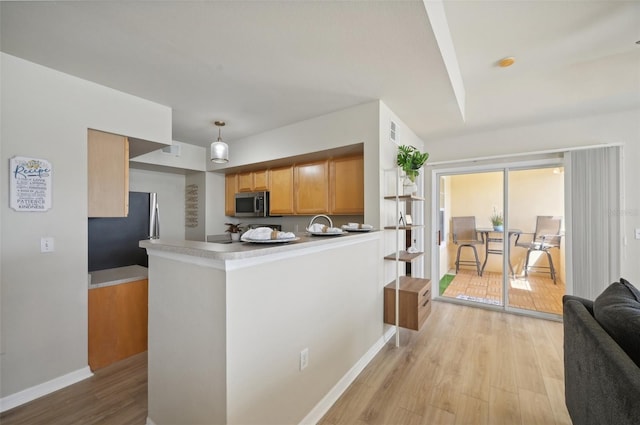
<point x="354" y="229"/>
<point x="270" y="240"/>
<point x="324" y="233"/>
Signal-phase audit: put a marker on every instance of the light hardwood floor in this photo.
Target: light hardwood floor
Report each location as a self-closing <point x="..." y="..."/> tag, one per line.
<point x="467" y="366"/>
<point x="114" y="395"/>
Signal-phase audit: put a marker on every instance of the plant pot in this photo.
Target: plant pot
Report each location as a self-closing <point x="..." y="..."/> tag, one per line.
<point x="499" y="228"/>
<point x="235" y="236"/>
<point x="409" y="187"/>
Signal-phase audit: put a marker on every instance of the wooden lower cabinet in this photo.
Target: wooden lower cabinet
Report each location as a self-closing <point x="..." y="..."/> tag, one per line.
<point x="117" y="322"/>
<point x="414" y="302"/>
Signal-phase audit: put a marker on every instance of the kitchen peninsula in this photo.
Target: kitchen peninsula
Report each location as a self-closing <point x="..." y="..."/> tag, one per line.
<point x="229" y="325"/>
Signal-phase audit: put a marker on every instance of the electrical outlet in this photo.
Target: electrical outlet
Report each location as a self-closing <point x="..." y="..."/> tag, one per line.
<point x="46" y="245"/>
<point x="304" y="358"/>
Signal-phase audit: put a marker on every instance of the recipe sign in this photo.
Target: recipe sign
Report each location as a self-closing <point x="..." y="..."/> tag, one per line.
<point x="30" y="184"/>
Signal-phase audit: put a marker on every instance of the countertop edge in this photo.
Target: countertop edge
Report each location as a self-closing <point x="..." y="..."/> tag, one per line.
<point x="241" y="251"/>
<point x="117" y="276"/>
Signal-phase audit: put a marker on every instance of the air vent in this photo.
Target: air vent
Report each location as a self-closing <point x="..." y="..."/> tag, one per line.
<point x="393" y="134"/>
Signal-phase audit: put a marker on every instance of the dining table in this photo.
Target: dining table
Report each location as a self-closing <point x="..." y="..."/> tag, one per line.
<point x="492" y="235"/>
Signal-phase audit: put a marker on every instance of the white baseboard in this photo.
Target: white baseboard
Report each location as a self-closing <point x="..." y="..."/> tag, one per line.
<point x="37" y="391"/>
<point x="323" y="406"/>
<point x="149" y="421"/>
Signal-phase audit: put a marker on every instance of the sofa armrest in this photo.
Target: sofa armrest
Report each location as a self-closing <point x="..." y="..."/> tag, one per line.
<point x="601" y="382"/>
<point x="587" y="303"/>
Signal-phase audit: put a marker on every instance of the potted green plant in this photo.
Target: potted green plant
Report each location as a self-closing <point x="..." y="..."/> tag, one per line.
<point x="234" y="229"/>
<point x="410" y="160"/>
<point x="497" y="221"/>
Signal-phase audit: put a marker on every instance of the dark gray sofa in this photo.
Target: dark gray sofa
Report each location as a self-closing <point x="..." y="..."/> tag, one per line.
<point x="602" y="383"/>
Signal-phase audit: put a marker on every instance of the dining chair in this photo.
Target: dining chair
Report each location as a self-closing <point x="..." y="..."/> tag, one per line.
<point x="465" y="235"/>
<point x="546" y="237"/>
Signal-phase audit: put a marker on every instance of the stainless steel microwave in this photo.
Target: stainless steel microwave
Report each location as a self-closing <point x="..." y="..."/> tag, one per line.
<point x="252" y="204"/>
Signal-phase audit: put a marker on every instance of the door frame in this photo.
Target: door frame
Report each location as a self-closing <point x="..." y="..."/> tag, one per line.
<point x="470" y="167"/>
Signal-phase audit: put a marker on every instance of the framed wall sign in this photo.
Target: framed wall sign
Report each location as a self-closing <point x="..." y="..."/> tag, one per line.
<point x="30" y="184"/>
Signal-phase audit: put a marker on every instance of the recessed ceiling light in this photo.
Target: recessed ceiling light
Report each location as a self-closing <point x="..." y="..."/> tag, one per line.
<point x="505" y="62"/>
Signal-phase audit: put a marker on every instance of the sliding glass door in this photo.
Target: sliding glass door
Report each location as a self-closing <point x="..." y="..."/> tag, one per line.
<point x="471" y="268"/>
<point x="500" y="232"/>
<point x="536" y="219"/>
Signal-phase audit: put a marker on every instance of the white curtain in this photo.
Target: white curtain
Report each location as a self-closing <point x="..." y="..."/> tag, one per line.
<point x="595" y="232"/>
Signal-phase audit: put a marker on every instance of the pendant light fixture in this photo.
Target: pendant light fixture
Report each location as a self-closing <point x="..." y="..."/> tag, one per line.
<point x="219" y="149"/>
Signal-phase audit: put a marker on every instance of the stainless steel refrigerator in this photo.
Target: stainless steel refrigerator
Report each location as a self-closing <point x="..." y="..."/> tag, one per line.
<point x="113" y="242"/>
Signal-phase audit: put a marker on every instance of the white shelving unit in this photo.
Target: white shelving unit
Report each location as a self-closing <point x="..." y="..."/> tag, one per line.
<point x="407" y="300"/>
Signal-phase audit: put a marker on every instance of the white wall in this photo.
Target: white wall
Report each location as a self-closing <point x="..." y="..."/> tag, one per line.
<point x="187" y="351"/>
<point x="45" y="114"/>
<point x="621" y="127"/>
<point x="215" y="217"/>
<point x="323" y="304"/>
<point x="170" y="188"/>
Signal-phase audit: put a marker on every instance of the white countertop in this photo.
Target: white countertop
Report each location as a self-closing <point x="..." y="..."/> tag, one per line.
<point x="116" y="276"/>
<point x="246" y="250"/>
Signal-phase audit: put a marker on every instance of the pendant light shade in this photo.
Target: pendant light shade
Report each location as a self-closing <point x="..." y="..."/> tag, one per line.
<point x="219" y="149"/>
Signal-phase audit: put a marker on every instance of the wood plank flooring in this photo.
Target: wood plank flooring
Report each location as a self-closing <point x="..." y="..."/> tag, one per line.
<point x="467" y="366"/>
<point x="116" y="394"/>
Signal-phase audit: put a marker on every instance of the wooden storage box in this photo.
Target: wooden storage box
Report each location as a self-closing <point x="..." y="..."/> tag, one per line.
<point x="414" y="302"/>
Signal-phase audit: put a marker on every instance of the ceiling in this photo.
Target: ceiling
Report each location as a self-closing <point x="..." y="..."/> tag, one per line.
<point x="260" y="65"/>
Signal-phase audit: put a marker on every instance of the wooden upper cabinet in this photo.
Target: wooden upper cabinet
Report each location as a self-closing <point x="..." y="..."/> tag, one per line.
<point x="261" y="180"/>
<point x="281" y="191"/>
<point x="333" y="186"/>
<point x="346" y="182"/>
<point x="108" y="174"/>
<point x="230" y="189"/>
<point x="245" y="182"/>
<point x="312" y="187"/>
<point x="253" y="180"/>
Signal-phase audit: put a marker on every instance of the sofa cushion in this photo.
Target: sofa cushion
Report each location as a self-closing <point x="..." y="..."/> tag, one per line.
<point x="617" y="310"/>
